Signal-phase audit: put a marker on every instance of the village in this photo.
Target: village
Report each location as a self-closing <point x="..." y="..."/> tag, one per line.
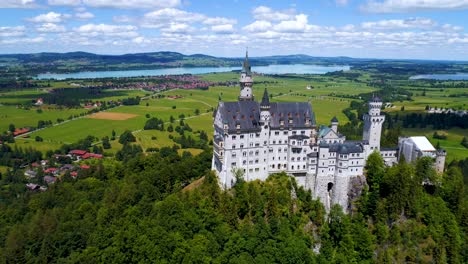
<point x="46" y="172"/>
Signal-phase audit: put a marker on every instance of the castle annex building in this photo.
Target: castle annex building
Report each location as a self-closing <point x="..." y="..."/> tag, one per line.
<point x="262" y="138"/>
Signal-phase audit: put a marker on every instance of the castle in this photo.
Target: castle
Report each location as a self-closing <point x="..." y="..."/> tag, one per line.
<point x="270" y="137"/>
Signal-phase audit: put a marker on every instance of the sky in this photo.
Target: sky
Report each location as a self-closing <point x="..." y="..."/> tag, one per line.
<point x="394" y="29"/>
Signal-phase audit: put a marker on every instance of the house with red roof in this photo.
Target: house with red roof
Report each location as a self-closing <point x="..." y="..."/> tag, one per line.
<point x="92" y="155"/>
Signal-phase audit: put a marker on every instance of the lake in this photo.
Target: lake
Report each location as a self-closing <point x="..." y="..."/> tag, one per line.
<point x="441" y="77"/>
<point x="270" y="69"/>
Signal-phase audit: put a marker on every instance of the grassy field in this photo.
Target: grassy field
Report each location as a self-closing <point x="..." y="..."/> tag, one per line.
<point x="3" y="169"/>
<point x="324" y="96"/>
<point x="22" y="117"/>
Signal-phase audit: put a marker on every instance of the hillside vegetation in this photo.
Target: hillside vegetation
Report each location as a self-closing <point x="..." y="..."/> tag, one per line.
<point x="140" y="211"/>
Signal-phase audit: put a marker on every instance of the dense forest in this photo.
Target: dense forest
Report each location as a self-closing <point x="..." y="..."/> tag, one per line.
<point x="165" y="208"/>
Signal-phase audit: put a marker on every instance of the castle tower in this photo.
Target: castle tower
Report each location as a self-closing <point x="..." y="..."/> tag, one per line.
<point x="440" y="160"/>
<point x="373" y="122"/>
<point x="334" y="124"/>
<point x="246" y="81"/>
<point x="265" y="108"/>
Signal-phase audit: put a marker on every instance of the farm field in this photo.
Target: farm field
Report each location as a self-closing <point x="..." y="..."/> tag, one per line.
<point x="22" y="117"/>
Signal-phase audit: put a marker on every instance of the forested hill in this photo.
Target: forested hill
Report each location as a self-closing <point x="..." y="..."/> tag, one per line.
<point x="140" y="212"/>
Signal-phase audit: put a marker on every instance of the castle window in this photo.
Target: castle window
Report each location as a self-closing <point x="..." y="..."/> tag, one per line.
<point x="274" y="141"/>
<point x="250" y="162"/>
<point x="242" y="145"/>
<point x="264" y="142"/>
<point x="294" y="132"/>
<point x="273" y="166"/>
<point x="256" y="161"/>
<point x="292" y="167"/>
<point x="250" y="153"/>
<point x="276" y="133"/>
<point x="244" y="162"/>
<point x="234" y="146"/>
<point x="285" y="149"/>
<point x="244" y="154"/>
<point x="234" y="154"/>
<point x="241" y="136"/>
<point x="257" y="169"/>
<point x="279" y="150"/>
<point x="257" y="144"/>
<point x="293" y="159"/>
<point x="303" y="132"/>
<point x="280" y="141"/>
<point x="256" y="153"/>
<point x="250" y="170"/>
<point x="285" y="132"/>
<point x="233" y="164"/>
<point x="303" y="166"/>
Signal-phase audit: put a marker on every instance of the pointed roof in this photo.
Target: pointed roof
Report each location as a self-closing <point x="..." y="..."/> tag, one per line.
<point x="265" y="99"/>
<point x="246" y="64"/>
<point x="334" y="120"/>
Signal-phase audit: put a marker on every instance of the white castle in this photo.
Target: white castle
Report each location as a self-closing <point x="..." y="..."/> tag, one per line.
<point x="266" y="137"/>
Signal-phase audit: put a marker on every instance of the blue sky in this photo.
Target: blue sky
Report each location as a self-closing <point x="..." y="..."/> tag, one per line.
<point x="416" y="29"/>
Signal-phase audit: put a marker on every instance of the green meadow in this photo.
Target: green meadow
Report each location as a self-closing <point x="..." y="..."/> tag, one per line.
<point x="323" y="92"/>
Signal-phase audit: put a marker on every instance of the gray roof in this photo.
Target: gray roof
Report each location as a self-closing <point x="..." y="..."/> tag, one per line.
<point x="246" y="65"/>
<point x="247" y="115"/>
<point x="298" y="112"/>
<point x="346" y="147"/>
<point x="334" y="120"/>
<point x="244" y="113"/>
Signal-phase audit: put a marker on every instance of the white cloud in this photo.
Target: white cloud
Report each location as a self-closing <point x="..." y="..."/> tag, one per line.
<point x="219" y="21"/>
<point x="297" y="25"/>
<point x="223" y="29"/>
<point x="7" y="32"/>
<point x="136" y="4"/>
<point x="258" y="26"/>
<point x="50" y="17"/>
<point x="341" y="2"/>
<point x="123" y="19"/>
<point x="18" y="4"/>
<point x="23" y="40"/>
<point x="177" y="28"/>
<point x="396" y="24"/>
<point x="64" y="2"/>
<point x="94" y="30"/>
<point x="50" y="28"/>
<point x="162" y="17"/>
<point x="401" y="6"/>
<point x="84" y="15"/>
<point x="267" y="14"/>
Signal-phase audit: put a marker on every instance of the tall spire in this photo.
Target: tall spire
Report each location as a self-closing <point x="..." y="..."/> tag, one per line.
<point x="246" y="64"/>
<point x="265" y="100"/>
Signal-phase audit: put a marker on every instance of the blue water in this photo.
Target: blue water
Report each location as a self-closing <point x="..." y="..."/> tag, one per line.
<point x="441" y="77"/>
<point x="270" y="69"/>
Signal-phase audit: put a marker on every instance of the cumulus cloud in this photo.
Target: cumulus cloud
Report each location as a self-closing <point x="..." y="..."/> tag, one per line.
<point x="125" y="31"/>
<point x="268" y="14"/>
<point x="50" y="17"/>
<point x="396" y="24"/>
<point x="65" y="2"/>
<point x="50" y="28"/>
<point x="223" y="29"/>
<point x="219" y="21"/>
<point x="402" y="6"/>
<point x="258" y="26"/>
<point x="84" y="15"/>
<point x="129" y="4"/>
<point x="162" y="17"/>
<point x="22" y="40"/>
<point x="12" y="31"/>
<point x="18" y="4"/>
<point x="297" y="25"/>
